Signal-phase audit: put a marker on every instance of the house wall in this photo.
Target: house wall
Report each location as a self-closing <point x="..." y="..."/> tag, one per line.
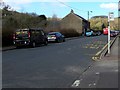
<point x="71" y="21"/>
<point x="86" y="25"/>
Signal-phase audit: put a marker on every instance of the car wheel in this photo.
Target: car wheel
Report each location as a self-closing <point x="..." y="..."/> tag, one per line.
<point x="58" y="40"/>
<point x="18" y="47"/>
<point x="33" y="44"/>
<point x="64" y="40"/>
<point x="46" y="42"/>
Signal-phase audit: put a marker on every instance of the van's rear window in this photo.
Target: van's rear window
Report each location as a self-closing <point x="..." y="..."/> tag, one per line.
<point x="22" y="33"/>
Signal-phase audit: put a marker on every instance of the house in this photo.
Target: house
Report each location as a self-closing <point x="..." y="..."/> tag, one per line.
<point x="75" y="22"/>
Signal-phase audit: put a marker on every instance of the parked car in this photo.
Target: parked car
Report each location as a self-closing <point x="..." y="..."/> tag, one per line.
<point x="105" y="31"/>
<point x="89" y="32"/>
<point x="117" y="31"/>
<point x="29" y="37"/>
<point x="114" y="33"/>
<point x="96" y="33"/>
<point x="55" y="37"/>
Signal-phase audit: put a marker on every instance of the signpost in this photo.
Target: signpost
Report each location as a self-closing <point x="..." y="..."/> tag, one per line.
<point x="110" y="18"/>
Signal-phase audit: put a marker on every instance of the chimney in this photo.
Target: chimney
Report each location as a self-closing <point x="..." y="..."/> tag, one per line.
<point x="72" y="11"/>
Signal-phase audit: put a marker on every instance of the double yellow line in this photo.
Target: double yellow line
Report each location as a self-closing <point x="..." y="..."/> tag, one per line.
<point x="98" y="54"/>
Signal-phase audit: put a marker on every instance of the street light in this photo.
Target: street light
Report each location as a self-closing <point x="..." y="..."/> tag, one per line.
<point x="89" y="14"/>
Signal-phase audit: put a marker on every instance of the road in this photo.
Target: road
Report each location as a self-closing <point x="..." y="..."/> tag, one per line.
<point x="57" y="65"/>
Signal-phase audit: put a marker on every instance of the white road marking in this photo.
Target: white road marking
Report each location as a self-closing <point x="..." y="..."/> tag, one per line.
<point x="94" y="84"/>
<point x="76" y="83"/>
<point x="90" y="85"/>
<point x="116" y="70"/>
<point x="97" y="73"/>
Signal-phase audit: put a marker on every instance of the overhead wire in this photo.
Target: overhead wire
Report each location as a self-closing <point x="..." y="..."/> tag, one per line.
<point x="70" y="6"/>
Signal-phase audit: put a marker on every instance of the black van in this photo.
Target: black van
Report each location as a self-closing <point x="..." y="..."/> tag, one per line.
<point x="29" y="37"/>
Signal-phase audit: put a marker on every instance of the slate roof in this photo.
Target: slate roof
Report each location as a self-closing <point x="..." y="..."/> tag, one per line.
<point x="72" y="12"/>
<point x="81" y="18"/>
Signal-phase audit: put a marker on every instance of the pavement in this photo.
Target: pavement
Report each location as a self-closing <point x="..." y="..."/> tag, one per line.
<point x="8" y="48"/>
<point x="103" y="73"/>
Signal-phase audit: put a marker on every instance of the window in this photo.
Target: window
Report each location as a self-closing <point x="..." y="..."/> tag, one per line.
<point x="42" y="32"/>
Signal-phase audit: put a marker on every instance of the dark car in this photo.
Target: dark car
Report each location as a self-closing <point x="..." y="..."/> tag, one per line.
<point x="117" y="31"/>
<point x="29" y="37"/>
<point x="113" y="33"/>
<point x="96" y="33"/>
<point x="55" y="37"/>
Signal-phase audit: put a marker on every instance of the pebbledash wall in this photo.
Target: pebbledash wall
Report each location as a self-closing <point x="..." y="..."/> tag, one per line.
<point x="75" y="22"/>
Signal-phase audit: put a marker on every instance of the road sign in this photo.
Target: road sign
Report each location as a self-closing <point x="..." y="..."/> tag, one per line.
<point x="111" y="16"/>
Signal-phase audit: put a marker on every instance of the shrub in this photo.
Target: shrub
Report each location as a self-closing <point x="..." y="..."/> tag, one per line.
<point x="13" y="20"/>
<point x="70" y="33"/>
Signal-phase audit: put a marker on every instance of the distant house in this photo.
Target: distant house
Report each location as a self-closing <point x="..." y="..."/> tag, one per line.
<point x="75" y="22"/>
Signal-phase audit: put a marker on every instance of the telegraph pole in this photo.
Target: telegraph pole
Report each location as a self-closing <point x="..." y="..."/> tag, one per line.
<point x="89" y="14"/>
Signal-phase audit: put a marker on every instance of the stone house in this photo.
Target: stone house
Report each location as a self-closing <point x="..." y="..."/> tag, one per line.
<point x="75" y="22"/>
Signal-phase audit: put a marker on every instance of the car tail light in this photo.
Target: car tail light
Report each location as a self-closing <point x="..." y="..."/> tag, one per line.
<point x="28" y="34"/>
<point x="13" y="36"/>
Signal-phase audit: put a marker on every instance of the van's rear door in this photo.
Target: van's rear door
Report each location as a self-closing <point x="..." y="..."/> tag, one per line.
<point x="22" y="34"/>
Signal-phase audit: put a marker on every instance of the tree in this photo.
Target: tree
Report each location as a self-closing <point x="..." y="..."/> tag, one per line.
<point x="53" y="24"/>
<point x="103" y="26"/>
<point x="42" y="17"/>
<point x="12" y="20"/>
<point x="98" y="23"/>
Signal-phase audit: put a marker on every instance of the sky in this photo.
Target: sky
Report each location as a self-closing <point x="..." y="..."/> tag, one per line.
<point x="61" y="8"/>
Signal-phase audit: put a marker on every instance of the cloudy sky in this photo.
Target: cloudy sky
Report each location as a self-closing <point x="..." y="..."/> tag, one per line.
<point x="63" y="7"/>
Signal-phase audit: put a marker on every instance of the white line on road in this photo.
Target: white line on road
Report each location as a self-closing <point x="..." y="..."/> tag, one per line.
<point x="76" y="83"/>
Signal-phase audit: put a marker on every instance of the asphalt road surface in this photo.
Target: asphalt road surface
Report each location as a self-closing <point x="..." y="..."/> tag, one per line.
<point x="57" y="65"/>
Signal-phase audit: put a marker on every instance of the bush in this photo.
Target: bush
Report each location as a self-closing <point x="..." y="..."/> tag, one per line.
<point x="7" y="39"/>
<point x="70" y="33"/>
<point x="12" y="20"/>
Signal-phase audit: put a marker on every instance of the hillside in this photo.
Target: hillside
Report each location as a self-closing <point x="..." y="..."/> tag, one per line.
<point x="12" y="20"/>
<point x="102" y="16"/>
<point x="100" y="22"/>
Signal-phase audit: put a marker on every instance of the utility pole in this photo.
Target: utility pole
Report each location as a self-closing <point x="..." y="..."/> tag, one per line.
<point x="89" y="14"/>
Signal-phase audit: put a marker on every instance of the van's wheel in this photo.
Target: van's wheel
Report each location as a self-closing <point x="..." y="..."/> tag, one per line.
<point x="46" y="42"/>
<point x="17" y="47"/>
<point x="64" y="40"/>
<point x="33" y="44"/>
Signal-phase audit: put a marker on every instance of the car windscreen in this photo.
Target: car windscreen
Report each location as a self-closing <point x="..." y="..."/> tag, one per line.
<point x="112" y="31"/>
<point x="51" y="34"/>
<point x="88" y="30"/>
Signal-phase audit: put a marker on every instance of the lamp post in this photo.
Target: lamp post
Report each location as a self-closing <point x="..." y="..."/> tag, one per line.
<point x="89" y="14"/>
